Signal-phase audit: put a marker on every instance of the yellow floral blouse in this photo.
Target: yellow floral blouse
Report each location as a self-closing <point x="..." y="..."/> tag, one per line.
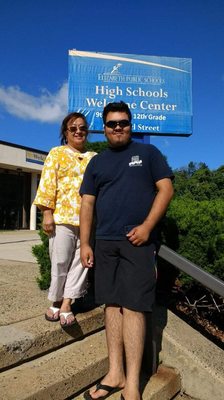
<point x="60" y="181"/>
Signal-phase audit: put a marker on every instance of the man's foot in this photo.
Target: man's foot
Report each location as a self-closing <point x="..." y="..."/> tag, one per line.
<point x="67" y="319"/>
<point x="130" y="394"/>
<point x="104" y="392"/>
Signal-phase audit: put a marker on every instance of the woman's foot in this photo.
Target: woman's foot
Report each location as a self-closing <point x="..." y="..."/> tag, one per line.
<point x="67" y="317"/>
<point x="52" y="313"/>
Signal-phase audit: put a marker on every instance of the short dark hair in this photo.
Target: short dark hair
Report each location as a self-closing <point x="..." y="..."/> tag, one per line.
<point x="116" y="107"/>
<point x="72" y="115"/>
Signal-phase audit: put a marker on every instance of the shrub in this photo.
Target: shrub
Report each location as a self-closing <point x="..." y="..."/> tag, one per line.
<point x="41" y="252"/>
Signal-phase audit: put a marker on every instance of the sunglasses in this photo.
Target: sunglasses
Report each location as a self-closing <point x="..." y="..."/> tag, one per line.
<point x="74" y="129"/>
<point x="122" y="123"/>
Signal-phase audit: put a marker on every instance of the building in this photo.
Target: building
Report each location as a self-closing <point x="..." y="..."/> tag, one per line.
<point x="20" y="170"/>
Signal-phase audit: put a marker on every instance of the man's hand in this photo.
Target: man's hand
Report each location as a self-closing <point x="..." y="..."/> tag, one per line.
<point x="48" y="222"/>
<point x="86" y="255"/>
<point x="139" y="235"/>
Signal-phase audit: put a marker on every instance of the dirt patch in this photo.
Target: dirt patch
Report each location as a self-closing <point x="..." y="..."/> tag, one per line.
<point x="201" y="309"/>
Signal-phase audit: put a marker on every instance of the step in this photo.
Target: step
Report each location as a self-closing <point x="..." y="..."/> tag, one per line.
<point x="183" y="396"/>
<point x="58" y="374"/>
<point x="66" y="371"/>
<point x="27" y="339"/>
<point x="162" y="386"/>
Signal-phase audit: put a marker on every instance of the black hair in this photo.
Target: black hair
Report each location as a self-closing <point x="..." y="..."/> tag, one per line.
<point x="63" y="129"/>
<point x="116" y="107"/>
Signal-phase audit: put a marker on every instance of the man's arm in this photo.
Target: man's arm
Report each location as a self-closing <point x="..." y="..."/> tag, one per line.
<point x="86" y="220"/>
<point x="140" y="234"/>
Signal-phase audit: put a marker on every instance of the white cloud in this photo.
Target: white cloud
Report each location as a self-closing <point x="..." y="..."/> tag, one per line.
<point x="47" y="107"/>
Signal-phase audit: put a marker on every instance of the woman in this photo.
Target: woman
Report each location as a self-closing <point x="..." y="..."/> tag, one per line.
<point x="58" y="198"/>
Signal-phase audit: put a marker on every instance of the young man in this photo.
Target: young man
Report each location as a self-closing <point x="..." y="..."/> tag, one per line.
<point x="129" y="185"/>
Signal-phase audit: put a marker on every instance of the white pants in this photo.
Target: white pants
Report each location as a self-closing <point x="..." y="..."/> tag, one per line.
<point x="68" y="277"/>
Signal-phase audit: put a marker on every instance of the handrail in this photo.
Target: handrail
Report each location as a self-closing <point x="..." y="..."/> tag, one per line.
<point x="205" y="278"/>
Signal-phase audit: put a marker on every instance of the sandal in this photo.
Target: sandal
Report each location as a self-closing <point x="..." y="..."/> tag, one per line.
<point x="55" y="317"/>
<point x="109" y="389"/>
<point x="65" y="315"/>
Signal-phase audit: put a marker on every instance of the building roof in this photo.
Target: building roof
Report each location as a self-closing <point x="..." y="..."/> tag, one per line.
<point x="22" y="147"/>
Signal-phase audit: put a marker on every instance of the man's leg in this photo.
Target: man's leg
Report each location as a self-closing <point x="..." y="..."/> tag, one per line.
<point x="115" y="376"/>
<point x="134" y="328"/>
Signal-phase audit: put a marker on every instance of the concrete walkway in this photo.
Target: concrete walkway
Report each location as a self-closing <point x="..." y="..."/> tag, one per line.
<point x="17" y="245"/>
<point x="20" y="297"/>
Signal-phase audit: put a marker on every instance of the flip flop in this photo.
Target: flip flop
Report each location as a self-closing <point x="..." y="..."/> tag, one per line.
<point x="55" y="310"/>
<point x="110" y="390"/>
<point x="66" y="315"/>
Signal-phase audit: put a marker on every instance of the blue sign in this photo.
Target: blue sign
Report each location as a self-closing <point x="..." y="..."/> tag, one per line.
<point x="158" y="90"/>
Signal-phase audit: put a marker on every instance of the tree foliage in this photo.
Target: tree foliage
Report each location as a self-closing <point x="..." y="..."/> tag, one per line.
<point x="199" y="183"/>
<point x="96" y="146"/>
<point x="194" y="225"/>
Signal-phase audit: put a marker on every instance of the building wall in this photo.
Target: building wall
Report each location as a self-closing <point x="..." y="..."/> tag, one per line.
<point x="14" y="157"/>
<point x="20" y="169"/>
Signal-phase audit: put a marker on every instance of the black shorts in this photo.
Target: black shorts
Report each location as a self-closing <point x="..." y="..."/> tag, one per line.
<point x="125" y="274"/>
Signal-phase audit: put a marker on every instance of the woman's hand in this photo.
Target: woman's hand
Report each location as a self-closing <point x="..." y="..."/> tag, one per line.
<point x="48" y="222"/>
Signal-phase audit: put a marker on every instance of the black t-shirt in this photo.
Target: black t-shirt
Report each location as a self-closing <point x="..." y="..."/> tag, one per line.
<point x="123" y="181"/>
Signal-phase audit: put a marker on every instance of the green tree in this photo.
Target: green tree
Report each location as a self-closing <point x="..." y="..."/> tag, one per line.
<point x="96" y="146"/>
<point x="195" y="229"/>
<point x="197" y="182"/>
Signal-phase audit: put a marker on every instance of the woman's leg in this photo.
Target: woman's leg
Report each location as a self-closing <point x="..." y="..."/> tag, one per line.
<point x="76" y="279"/>
<point x="61" y="252"/>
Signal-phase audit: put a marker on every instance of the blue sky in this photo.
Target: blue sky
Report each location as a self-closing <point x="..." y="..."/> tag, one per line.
<point x="35" y="37"/>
